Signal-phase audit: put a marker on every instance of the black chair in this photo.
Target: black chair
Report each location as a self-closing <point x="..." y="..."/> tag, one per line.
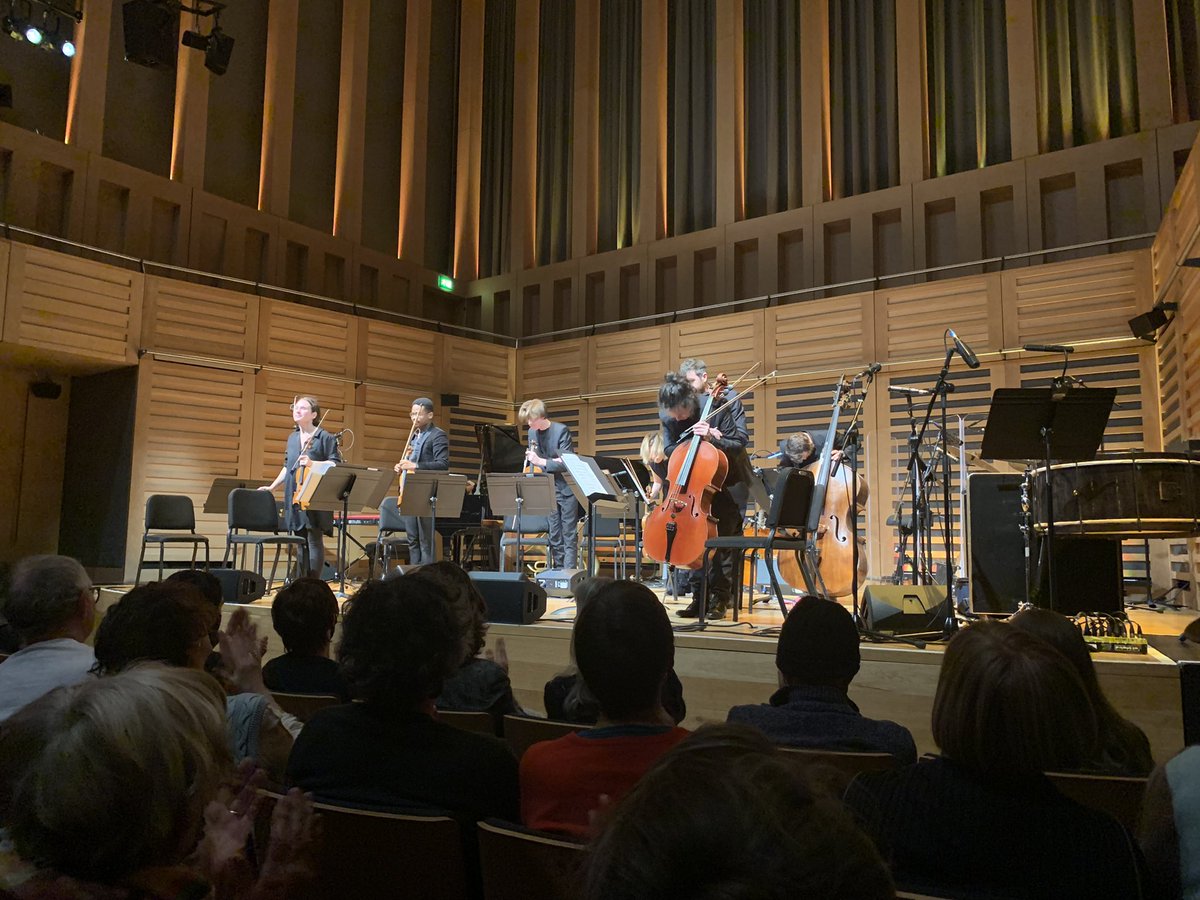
<point x="610" y="531"/>
<point x="171" y="513"/>
<point x="254" y="512"/>
<point x="535" y="532"/>
<point x="788" y="514"/>
<point x="390" y="522"/>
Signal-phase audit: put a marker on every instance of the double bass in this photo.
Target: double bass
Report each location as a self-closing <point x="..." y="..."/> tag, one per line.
<point x="829" y="565"/>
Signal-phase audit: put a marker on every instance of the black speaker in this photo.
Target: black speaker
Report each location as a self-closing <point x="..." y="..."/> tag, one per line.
<point x="995" y="546"/>
<point x="151" y="31"/>
<point x="905" y="608"/>
<point x="1087" y="574"/>
<point x="240" y="585"/>
<point x="512" y="599"/>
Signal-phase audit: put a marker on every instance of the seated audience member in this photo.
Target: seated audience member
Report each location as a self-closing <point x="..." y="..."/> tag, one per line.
<point x="625" y="647"/>
<point x="1124" y="748"/>
<point x="479" y="684"/>
<point x="567" y="698"/>
<point x="724" y="815"/>
<point x="10" y="641"/>
<point x="817" y="658"/>
<point x="305" y="614"/>
<point x="106" y="786"/>
<point x="51" y="604"/>
<point x="400" y="641"/>
<point x="210" y="588"/>
<point x="1169" y="831"/>
<point x="1008" y="708"/>
<point x="171" y="622"/>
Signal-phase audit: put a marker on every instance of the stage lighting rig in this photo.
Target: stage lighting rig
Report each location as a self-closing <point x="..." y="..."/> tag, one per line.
<point x="23" y="24"/>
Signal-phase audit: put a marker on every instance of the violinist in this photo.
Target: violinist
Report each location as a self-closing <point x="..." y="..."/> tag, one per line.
<point x="679" y="404"/>
<point x="548" y="441"/>
<point x="429" y="449"/>
<point x="308" y="443"/>
<point x="653" y="458"/>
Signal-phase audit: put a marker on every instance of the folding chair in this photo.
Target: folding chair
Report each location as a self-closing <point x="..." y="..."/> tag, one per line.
<point x="170" y="513"/>
<point x="254" y="512"/>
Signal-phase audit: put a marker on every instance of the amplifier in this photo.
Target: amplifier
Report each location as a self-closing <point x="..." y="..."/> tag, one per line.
<point x="560" y="582"/>
<point x="240" y="585"/>
<point x="511" y="597"/>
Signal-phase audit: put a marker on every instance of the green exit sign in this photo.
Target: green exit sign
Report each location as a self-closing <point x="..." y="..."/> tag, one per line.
<point x="446" y="283"/>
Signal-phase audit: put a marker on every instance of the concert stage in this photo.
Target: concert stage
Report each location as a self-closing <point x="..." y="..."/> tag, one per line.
<point x="728" y="664"/>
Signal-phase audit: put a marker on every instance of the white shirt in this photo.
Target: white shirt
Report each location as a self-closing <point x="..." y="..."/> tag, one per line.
<point x="39" y="669"/>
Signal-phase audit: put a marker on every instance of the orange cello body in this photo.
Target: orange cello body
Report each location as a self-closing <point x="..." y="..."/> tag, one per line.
<point x="834" y="542"/>
<point x="676" y="529"/>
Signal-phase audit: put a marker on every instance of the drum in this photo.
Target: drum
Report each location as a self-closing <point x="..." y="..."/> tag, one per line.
<point x="1141" y="496"/>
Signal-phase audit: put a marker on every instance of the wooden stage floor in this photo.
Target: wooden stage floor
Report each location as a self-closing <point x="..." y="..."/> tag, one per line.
<point x="728" y="664"/>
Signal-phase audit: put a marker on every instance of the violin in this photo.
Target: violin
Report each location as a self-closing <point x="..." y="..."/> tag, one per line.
<point x="304" y="473"/>
<point x="530" y="468"/>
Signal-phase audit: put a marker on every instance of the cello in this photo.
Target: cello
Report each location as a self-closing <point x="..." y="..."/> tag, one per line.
<point x="829" y="565"/>
<point x="676" y="530"/>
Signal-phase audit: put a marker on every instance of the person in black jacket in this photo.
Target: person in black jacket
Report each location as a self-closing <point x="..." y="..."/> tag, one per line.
<point x="429" y="450"/>
<point x="548" y="441"/>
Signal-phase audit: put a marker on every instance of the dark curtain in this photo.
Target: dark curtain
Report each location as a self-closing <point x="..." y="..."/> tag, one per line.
<point x="620" y="123"/>
<point x="556" y="87"/>
<point x="864" y="138"/>
<point x="1183" y="42"/>
<point x="495" y="177"/>
<point x="772" y="78"/>
<point x="441" y="182"/>
<point x="1087" y="72"/>
<point x="967" y="64"/>
<point x="691" y="150"/>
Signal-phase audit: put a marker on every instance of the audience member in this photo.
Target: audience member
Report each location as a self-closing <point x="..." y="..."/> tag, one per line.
<point x="1124" y="748"/>
<point x="1008" y="708"/>
<point x="171" y="622"/>
<point x="10" y="641"/>
<point x="400" y="641"/>
<point x="1169" y="831"/>
<point x="567" y="698"/>
<point x="305" y="614"/>
<point x="51" y="604"/>
<point x="210" y="589"/>
<point x="105" y="787"/>
<point x="625" y="647"/>
<point x="723" y="815"/>
<point x="479" y="684"/>
<point x="817" y="658"/>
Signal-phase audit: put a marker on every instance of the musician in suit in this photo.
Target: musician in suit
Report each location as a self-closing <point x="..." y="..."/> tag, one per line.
<point x="679" y="404"/>
<point x="429" y="450"/>
<point x="308" y="443"/>
<point x="548" y="441"/>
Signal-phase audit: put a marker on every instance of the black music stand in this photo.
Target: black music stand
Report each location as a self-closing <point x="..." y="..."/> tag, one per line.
<point x="591" y="484"/>
<point x="515" y="495"/>
<point x="432" y="494"/>
<point x="344" y="486"/>
<point x="217" y="500"/>
<point x="1056" y="424"/>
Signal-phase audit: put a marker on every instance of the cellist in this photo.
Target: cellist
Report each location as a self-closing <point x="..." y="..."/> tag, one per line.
<point x="679" y="404"/>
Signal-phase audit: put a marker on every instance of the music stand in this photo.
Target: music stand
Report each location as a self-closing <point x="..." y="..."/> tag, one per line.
<point x="432" y="493"/>
<point x="217" y="500"/>
<point x="342" y="486"/>
<point x="1056" y="424"/>
<point x="514" y="495"/>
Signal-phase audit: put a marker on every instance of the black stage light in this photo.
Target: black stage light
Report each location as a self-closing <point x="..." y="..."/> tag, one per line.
<point x="1147" y="324"/>
<point x="195" y="40"/>
<point x="150" y="30"/>
<point x="218" y="51"/>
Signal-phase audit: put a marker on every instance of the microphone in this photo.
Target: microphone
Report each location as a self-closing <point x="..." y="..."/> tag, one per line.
<point x="1048" y="348"/>
<point x="872" y="369"/>
<point x="963" y="350"/>
<point x="909" y="392"/>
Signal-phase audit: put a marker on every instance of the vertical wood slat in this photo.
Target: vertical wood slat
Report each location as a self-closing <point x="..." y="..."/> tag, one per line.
<point x="200" y="320"/>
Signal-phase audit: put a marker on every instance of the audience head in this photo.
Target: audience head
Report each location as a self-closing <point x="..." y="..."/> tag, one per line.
<point x="206" y="583"/>
<point x="779" y="835"/>
<point x="466" y="602"/>
<point x="399" y="643"/>
<point x="50" y="597"/>
<point x="818" y="645"/>
<point x="624" y="647"/>
<point x="109" y="776"/>
<point x="1064" y="636"/>
<point x="1009" y="704"/>
<point x="304" y="615"/>
<point x="167" y="622"/>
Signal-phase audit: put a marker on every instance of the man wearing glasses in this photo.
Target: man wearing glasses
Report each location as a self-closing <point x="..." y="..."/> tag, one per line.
<point x="52" y="605"/>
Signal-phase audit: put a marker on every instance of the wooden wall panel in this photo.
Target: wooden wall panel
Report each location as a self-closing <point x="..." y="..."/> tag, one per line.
<point x="305" y="339"/>
<point x="401" y="357"/>
<point x="630" y="360"/>
<point x="68" y="305"/>
<point x="1084" y="299"/>
<point x="729" y="344"/>
<point x="553" y="370"/>
<point x="910" y="322"/>
<point x="819" y="334"/>
<point x="5" y="257"/>
<point x="200" y="320"/>
<point x="478" y="371"/>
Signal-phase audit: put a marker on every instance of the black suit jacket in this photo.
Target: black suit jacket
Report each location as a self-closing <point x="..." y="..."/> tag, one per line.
<point x="435" y="451"/>
<point x="552" y="442"/>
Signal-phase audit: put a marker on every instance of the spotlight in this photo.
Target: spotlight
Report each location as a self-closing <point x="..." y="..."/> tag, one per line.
<point x="218" y="51"/>
<point x="195" y="40"/>
<point x="1146" y="326"/>
<point x="68" y="49"/>
<point x="34" y="34"/>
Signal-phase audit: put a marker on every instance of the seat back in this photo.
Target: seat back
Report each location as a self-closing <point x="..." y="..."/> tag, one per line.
<point x="1118" y="795"/>
<point x="477" y="722"/>
<point x="791" y="500"/>
<point x="253" y="511"/>
<point x="520" y="865"/>
<point x="170" y="512"/>
<point x="522" y="732"/>
<point x="840" y="765"/>
<point x="529" y="524"/>
<point x="368" y="855"/>
<point x="389" y="516"/>
<point x="302" y="706"/>
<point x="607" y="526"/>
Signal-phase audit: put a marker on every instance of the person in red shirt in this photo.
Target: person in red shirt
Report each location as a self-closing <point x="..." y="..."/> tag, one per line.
<point x="624" y="647"/>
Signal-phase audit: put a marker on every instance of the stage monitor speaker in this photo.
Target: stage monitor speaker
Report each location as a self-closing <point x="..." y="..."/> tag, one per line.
<point x="240" y="585"/>
<point x="905" y="608"/>
<point x="512" y="599"/>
